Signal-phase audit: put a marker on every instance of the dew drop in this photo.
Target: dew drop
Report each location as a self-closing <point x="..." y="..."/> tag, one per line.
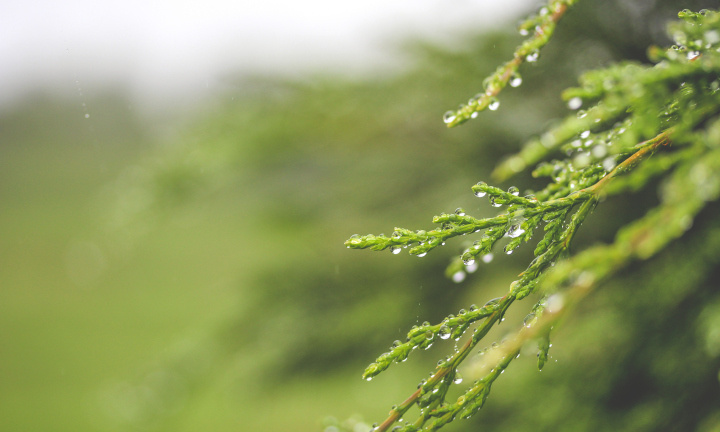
<point x="585" y="134"/>
<point x="515" y="231"/>
<point x="420" y="255"/>
<point x="523" y="32"/>
<point x="458" y="379"/>
<point x="395" y="249"/>
<point x="468" y="261"/>
<point x="492" y="303"/>
<point x="514" y="191"/>
<point x="458" y="276"/>
<point x="488" y="257"/>
<point x="529" y="320"/>
<point x="444" y="333"/>
<point x="555" y="303"/>
<point x="533" y="56"/>
<point x="494" y="104"/>
<point x="472" y="268"/>
<point x="575" y="103"/>
<point x="449" y="116"/>
<point x="609" y="163"/>
<point x="481" y="193"/>
<point x="494" y="203"/>
<point x="459" y="211"/>
<point x="599" y="151"/>
<point x="515" y="80"/>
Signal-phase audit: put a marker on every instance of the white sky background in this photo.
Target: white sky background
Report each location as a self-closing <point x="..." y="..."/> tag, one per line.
<point x="166" y="49"/>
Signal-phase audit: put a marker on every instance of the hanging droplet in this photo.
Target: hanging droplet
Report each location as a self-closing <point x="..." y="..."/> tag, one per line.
<point x="481" y="193"/>
<point x="488" y="257"/>
<point x="510" y="248"/>
<point x="529" y="320"/>
<point x="472" y="268"/>
<point x="420" y="255"/>
<point x="515" y="80"/>
<point x="494" y="203"/>
<point x="458" y="378"/>
<point x="444" y="332"/>
<point x="494" y="104"/>
<point x="449" y="116"/>
<point x="555" y="303"/>
<point x="532" y="56"/>
<point x="575" y="103"/>
<point x="395" y="249"/>
<point x="459" y="211"/>
<point x="585" y="134"/>
<point x="515" y="231"/>
<point x="512" y="190"/>
<point x="458" y="276"/>
<point x="609" y="163"/>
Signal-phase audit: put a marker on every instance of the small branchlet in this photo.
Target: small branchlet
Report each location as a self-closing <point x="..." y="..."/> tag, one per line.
<point x="632" y="112"/>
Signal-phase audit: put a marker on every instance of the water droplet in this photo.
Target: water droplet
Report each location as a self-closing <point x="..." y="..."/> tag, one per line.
<point x="481" y="193"/>
<point x="458" y="276"/>
<point x="515" y="231"/>
<point x="532" y="56"/>
<point x="494" y="104"/>
<point x="488" y="257"/>
<point x="509" y="249"/>
<point x="420" y="255"/>
<point x="529" y="320"/>
<point x="494" y="203"/>
<point x="514" y="191"/>
<point x="492" y="303"/>
<point x="468" y="259"/>
<point x="368" y="378"/>
<point x="515" y="80"/>
<point x="444" y="333"/>
<point x="523" y="32"/>
<point x="581" y="160"/>
<point x="395" y="249"/>
<point x="472" y="268"/>
<point x="449" y="116"/>
<point x="458" y="379"/>
<point x="575" y="103"/>
<point x="599" y="151"/>
<point x="609" y="163"/>
<point x="459" y="211"/>
<point x="555" y="303"/>
<point x="585" y="134"/>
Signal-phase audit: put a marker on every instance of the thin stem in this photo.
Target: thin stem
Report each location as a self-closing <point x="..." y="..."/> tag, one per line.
<point x="503" y="74"/>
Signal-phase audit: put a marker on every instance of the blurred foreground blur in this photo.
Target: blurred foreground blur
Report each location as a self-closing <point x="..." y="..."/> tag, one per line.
<point x="193" y="277"/>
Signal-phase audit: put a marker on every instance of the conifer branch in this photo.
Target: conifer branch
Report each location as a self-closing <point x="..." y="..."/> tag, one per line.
<point x="639" y="111"/>
<point x="542" y="25"/>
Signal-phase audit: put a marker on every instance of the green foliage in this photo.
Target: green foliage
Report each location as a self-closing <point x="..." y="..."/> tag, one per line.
<point x="631" y="111"/>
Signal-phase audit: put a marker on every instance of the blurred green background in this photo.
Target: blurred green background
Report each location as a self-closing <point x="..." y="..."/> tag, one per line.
<point x="187" y="272"/>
